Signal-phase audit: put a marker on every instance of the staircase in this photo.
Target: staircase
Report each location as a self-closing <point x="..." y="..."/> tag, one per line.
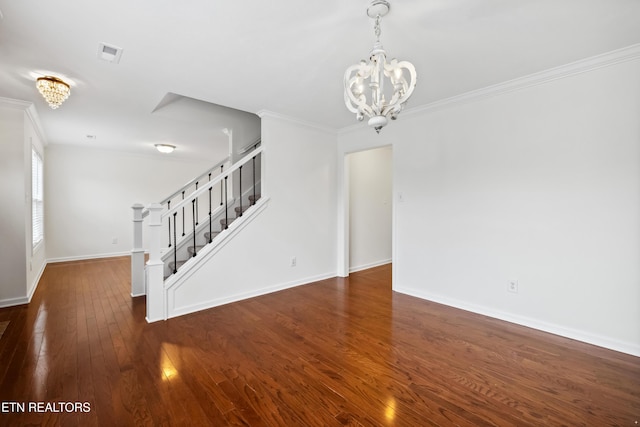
<point x="192" y="222"/>
<point x="175" y="259"/>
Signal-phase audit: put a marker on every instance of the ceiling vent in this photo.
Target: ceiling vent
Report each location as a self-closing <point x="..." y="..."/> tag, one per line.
<point x="109" y="53"/>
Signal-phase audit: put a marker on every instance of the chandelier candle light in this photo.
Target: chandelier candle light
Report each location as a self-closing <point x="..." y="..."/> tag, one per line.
<point x="54" y="90"/>
<point x="373" y="74"/>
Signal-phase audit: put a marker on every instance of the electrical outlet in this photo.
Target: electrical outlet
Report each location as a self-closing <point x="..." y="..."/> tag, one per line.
<point x="512" y="286"/>
<point x="114" y="241"/>
<point x="294" y="261"/>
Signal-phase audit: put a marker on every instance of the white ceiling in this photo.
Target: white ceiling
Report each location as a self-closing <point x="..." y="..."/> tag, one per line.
<point x="284" y="56"/>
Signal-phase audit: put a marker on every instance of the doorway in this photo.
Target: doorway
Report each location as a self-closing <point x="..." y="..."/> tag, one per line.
<point x="368" y="182"/>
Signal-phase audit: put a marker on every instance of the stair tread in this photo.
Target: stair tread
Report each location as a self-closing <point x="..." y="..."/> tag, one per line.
<point x="190" y="248"/>
<point x="180" y="263"/>
<point x="171" y="264"/>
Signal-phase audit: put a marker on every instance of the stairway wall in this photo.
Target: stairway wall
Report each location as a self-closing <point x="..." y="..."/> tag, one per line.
<point x="299" y="179"/>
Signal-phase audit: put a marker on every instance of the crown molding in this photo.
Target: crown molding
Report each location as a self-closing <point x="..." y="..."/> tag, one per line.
<point x="614" y="57"/>
<point x="31" y="112"/>
<point x="352" y="128"/>
<point x="15" y="103"/>
<point x="270" y="114"/>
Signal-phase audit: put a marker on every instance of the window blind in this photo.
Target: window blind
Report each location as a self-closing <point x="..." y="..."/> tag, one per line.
<point x="37" y="198"/>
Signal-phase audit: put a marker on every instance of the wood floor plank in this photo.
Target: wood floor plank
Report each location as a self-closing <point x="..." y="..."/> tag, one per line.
<point x="342" y="351"/>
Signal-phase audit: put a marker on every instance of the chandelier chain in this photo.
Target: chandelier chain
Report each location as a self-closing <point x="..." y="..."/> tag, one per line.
<point x="377" y="29"/>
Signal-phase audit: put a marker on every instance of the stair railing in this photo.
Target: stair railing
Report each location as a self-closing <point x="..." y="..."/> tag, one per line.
<point x="168" y="210"/>
<point x="199" y="178"/>
<point x="250" y="147"/>
<point x="184" y="192"/>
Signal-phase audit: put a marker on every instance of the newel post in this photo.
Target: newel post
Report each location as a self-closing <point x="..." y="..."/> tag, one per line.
<point x="155" y="267"/>
<point x="137" y="253"/>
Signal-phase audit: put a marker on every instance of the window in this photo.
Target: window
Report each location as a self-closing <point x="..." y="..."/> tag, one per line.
<point x="37" y="199"/>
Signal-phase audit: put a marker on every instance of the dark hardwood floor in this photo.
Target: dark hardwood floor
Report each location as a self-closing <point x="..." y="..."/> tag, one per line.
<point x="335" y="352"/>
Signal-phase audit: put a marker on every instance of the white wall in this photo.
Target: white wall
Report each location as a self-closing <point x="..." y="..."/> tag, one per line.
<point x="539" y="185"/>
<point x="369" y="208"/>
<point x="36" y="257"/>
<point x="89" y="193"/>
<point x="299" y="220"/>
<point x="21" y="266"/>
<point x="13" y="193"/>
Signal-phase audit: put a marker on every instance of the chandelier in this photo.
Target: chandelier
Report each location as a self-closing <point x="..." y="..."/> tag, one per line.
<point x="54" y="90"/>
<point x="381" y="102"/>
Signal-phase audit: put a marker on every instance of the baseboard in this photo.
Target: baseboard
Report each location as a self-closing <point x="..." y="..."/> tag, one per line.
<point x="369" y="265"/>
<point x="86" y="257"/>
<point x="586" y="337"/>
<point x="10" y="302"/>
<point x="180" y="311"/>
<point x="35" y="283"/>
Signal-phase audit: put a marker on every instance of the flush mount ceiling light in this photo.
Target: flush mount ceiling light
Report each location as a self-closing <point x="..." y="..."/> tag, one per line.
<point x="54" y="90"/>
<point x="165" y="148"/>
<point x="383" y="102"/>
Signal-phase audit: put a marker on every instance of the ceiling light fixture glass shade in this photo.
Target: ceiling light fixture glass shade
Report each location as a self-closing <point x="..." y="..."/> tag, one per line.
<point x="165" y="148"/>
<point x="387" y="84"/>
<point x="54" y="90"/>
